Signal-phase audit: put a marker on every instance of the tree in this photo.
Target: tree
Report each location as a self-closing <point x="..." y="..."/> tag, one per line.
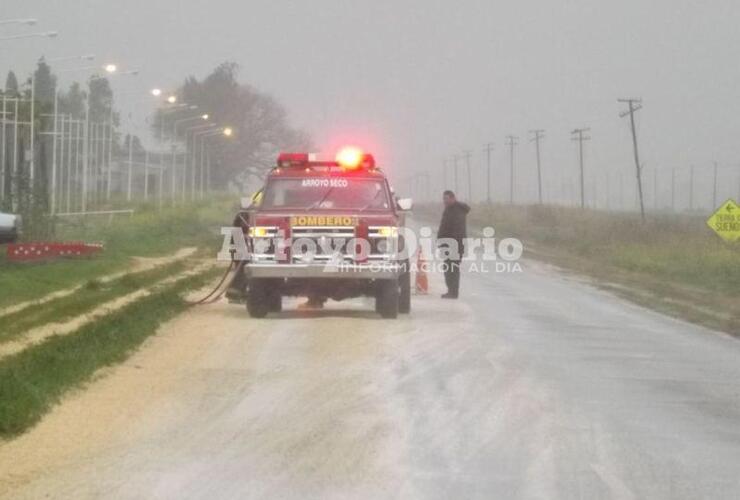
<point x="45" y="83"/>
<point x="73" y="101"/>
<point x="136" y="145"/>
<point x="260" y="123"/>
<point x="101" y="99"/>
<point x="11" y="84"/>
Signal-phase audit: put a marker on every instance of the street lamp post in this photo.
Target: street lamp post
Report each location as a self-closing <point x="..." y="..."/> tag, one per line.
<point x="28" y="21"/>
<point x="87" y="57"/>
<point x="42" y="34"/>
<point x="226" y="132"/>
<point x="110" y="68"/>
<point x="170" y="109"/>
<point x="209" y="129"/>
<point x="174" y="137"/>
<point x="190" y="153"/>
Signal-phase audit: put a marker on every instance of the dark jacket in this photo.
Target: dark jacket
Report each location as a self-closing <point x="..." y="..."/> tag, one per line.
<point x="453" y="224"/>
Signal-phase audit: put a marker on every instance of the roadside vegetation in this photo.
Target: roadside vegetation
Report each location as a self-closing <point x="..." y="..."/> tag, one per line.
<point x="32" y="381"/>
<point x="36" y="377"/>
<point x="91" y="295"/>
<point x="672" y="263"/>
<point x="147" y="233"/>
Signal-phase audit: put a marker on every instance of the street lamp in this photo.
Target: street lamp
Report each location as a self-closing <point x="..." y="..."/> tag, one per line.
<point x="85" y="57"/>
<point x="174" y="137"/>
<point x="196" y="130"/>
<point x="156" y="92"/>
<point x="27" y="22"/>
<point x="41" y="34"/>
<point x="225" y="132"/>
<point x="110" y="68"/>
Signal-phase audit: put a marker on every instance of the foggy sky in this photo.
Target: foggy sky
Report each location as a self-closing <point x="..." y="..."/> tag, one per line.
<point x="416" y="81"/>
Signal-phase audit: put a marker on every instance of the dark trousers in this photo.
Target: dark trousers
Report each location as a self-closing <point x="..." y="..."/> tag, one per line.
<point x="452" y="276"/>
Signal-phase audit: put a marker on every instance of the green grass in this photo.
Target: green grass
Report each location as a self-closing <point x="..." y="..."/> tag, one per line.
<point x="92" y="295"/>
<point x="676" y="258"/>
<point x="32" y="381"/>
<point x="681" y="249"/>
<point x="147" y="233"/>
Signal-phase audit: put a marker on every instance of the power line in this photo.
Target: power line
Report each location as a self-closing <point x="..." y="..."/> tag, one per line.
<point x="635" y="105"/>
<point x="578" y="135"/>
<point x="467" y="155"/>
<point x="454" y="159"/>
<point x="511" y="141"/>
<point x="539" y="134"/>
<point x="487" y="150"/>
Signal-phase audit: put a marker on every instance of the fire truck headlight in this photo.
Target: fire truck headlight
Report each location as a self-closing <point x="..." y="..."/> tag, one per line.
<point x="387" y="231"/>
<point x="259" y="232"/>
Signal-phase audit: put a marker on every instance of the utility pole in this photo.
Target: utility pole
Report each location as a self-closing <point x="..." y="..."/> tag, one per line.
<point x="714" y="188"/>
<point x="655" y="189"/>
<point x="444" y="174"/>
<point x="635" y="105"/>
<point x="454" y="159"/>
<point x="487" y="150"/>
<point x="539" y="134"/>
<point x="3" y="142"/>
<point x="467" y="155"/>
<point x="578" y="135"/>
<point x="673" y="189"/>
<point x="146" y="174"/>
<point x="130" y="164"/>
<point x="691" y="188"/>
<point x="511" y="141"/>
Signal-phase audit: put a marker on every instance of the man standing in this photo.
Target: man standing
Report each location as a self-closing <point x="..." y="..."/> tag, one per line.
<point x="453" y="228"/>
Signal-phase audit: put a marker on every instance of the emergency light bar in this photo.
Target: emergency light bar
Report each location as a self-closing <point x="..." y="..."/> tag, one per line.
<point x="286" y="160"/>
<point x="347" y="158"/>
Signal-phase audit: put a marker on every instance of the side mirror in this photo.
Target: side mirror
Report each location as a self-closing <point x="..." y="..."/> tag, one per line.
<point x="405" y="204"/>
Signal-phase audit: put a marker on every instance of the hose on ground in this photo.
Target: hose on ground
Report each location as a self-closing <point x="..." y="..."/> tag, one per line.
<point x="217" y="293"/>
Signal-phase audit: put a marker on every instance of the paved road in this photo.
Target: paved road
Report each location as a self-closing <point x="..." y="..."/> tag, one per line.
<point x="536" y="385"/>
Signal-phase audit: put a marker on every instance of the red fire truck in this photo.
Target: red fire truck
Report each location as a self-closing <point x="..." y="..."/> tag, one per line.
<point x="327" y="230"/>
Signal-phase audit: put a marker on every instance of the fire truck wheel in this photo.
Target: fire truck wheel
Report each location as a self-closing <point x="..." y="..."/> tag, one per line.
<point x="386" y="298"/>
<point x="404" y="290"/>
<point x="258" y="300"/>
<point x="275" y="301"/>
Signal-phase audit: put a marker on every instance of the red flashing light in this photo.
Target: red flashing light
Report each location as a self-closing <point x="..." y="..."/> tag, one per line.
<point x="292" y="159"/>
<point x="349" y="158"/>
<point x="352" y="158"/>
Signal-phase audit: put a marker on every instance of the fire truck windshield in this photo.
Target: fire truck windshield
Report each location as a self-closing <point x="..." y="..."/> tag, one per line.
<point x="326" y="193"/>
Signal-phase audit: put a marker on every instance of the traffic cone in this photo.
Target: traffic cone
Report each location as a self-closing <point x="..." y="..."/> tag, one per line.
<point x="422" y="281"/>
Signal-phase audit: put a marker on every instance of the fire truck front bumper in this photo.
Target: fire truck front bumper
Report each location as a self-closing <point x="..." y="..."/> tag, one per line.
<point x="370" y="271"/>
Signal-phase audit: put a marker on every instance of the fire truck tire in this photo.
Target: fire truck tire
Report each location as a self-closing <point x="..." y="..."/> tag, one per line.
<point x="386" y="298"/>
<point x="404" y="290"/>
<point x="258" y="300"/>
<point x="275" y="301"/>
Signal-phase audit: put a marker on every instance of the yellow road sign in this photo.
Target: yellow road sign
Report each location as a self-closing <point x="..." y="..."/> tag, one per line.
<point x="726" y="221"/>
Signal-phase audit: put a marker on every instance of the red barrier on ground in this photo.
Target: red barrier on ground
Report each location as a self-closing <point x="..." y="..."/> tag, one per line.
<point x="40" y="250"/>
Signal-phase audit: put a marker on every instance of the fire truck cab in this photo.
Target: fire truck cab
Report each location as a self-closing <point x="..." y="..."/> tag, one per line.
<point x="327" y="229"/>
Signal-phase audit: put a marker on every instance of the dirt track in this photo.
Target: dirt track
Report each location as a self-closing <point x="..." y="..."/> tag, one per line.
<point x="535" y="386"/>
